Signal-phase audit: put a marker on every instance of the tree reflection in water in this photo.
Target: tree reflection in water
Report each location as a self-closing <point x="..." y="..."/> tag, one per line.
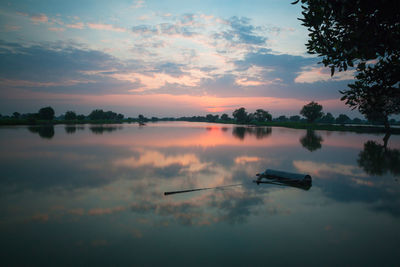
<point x="377" y="159"/>
<point x="70" y="129"/>
<point x="259" y="132"/>
<point x="311" y="141"/>
<point x="100" y="129"/>
<point x="44" y="131"/>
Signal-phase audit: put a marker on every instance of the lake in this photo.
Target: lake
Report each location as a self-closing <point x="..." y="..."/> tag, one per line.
<point x="94" y="195"/>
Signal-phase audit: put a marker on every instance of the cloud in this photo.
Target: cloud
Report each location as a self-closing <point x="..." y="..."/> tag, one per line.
<point x="159" y="160"/>
<point x="11" y="28"/>
<point x="246" y="159"/>
<point x="22" y="83"/>
<point x="41" y="18"/>
<point x="320" y="170"/>
<point x="144" y="29"/>
<point x="78" y="25"/>
<point x="138" y="4"/>
<point x="55" y="29"/>
<point x="40" y="217"/>
<point x="311" y="74"/>
<point x="104" y="211"/>
<point x="284" y="67"/>
<point x="79" y="211"/>
<point x="105" y="27"/>
<point x="166" y="29"/>
<point x="156" y="80"/>
<point x="55" y="67"/>
<point x="241" y="32"/>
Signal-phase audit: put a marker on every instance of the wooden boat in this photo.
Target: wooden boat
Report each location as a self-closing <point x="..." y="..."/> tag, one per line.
<point x="282" y="178"/>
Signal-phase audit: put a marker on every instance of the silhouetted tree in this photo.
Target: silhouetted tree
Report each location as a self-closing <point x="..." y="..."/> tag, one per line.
<point x="46" y="113"/>
<point x="376" y="91"/>
<point x="16" y="115"/>
<point x="352" y="33"/>
<point x="262" y="115"/>
<point x="328" y="118"/>
<point x="99" y="114"/>
<point x="224" y="117"/>
<point x="295" y="118"/>
<point x="282" y="118"/>
<point x="141" y="118"/>
<point x="311" y="141"/>
<point x="312" y="111"/>
<point x="342" y="119"/>
<point x="241" y="115"/>
<point x="70" y="115"/>
<point x="211" y="117"/>
<point x="80" y="117"/>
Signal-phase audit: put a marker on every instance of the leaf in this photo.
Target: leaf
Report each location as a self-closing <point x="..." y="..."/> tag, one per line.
<point x="295" y="2"/>
<point x="332" y="70"/>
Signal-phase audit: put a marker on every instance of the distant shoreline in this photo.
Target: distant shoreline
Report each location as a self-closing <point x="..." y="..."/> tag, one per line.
<point x="292" y="125"/>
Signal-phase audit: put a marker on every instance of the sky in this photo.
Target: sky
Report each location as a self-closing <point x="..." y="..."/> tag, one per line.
<point x="161" y="58"/>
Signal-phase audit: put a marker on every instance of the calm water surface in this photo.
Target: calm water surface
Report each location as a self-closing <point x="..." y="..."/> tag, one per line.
<point x="95" y="195"/>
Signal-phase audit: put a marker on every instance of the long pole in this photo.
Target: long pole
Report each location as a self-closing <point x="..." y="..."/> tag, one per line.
<point x="199" y="189"/>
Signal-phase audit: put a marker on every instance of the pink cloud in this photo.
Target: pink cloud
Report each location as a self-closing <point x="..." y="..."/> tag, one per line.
<point x="22" y="14"/>
<point x="138" y="4"/>
<point x="41" y="217"/>
<point x="24" y="83"/>
<point x="318" y="74"/>
<point x="105" y="27"/>
<point x="78" y="25"/>
<point x="41" y="18"/>
<point x="55" y="29"/>
<point x="11" y="28"/>
<point x="103" y="211"/>
<point x="78" y="211"/>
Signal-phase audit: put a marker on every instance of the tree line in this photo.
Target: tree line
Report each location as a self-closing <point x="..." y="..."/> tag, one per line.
<point x="310" y="113"/>
<point x="47" y="114"/>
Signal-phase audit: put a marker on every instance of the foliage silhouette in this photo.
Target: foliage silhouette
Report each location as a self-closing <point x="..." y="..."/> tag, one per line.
<point x="312" y="111"/>
<point x="99" y="114"/>
<point x="70" y="115"/>
<point x="46" y="113"/>
<point x="261" y="115"/>
<point x="364" y="34"/>
<point x="342" y="119"/>
<point x="240" y="115"/>
<point x="225" y="117"/>
<point x="328" y="118"/>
